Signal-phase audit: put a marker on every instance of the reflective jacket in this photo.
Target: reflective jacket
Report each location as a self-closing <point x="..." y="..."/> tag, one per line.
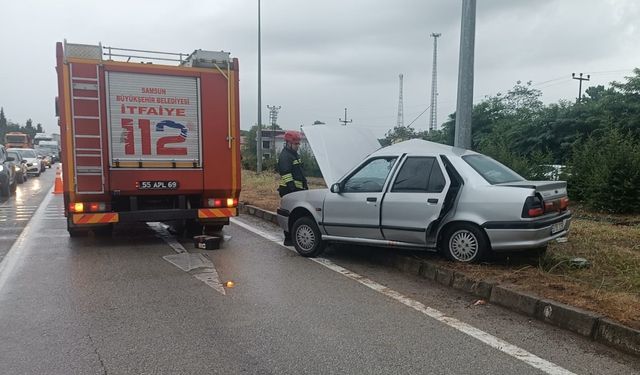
<point x="291" y="172"/>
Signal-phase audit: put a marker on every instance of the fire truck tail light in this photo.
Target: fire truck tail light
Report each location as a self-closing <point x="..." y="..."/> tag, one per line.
<point x="227" y="202"/>
<point x="76" y="207"/>
<point x="81" y="207"/>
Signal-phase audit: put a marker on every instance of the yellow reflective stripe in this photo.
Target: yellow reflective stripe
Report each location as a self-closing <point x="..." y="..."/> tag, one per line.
<point x="299" y="184"/>
<point x="297" y="161"/>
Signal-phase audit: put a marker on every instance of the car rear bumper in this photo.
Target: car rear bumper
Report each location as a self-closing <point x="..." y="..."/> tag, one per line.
<point x="530" y="235"/>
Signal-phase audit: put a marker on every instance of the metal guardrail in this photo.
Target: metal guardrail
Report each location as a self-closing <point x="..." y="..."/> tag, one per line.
<point x="111" y="52"/>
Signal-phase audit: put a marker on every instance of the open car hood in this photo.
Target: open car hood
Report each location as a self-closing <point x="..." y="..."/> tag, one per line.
<point x="338" y="148"/>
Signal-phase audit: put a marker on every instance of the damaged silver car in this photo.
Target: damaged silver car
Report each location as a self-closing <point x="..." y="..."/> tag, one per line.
<point x="419" y="195"/>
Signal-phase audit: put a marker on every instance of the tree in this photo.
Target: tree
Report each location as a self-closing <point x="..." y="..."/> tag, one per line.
<point x="39" y="128"/>
<point x="398" y="134"/>
<point x="3" y="120"/>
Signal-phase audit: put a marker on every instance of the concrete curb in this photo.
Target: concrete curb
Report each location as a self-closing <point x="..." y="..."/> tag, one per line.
<point x="582" y="322"/>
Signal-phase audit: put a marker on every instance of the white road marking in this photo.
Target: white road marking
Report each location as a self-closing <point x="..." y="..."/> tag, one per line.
<point x="206" y="270"/>
<point x="495" y="342"/>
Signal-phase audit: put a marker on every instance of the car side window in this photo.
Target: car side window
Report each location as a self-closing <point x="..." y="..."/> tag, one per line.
<point x="419" y="175"/>
<point x="371" y="177"/>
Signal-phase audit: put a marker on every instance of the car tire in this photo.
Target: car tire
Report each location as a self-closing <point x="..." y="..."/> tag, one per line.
<point x="20" y="179"/>
<point x="14" y="186"/>
<point x="306" y="237"/>
<point x="464" y="242"/>
<point x="38" y="174"/>
<point x="5" y="191"/>
<point x="25" y="177"/>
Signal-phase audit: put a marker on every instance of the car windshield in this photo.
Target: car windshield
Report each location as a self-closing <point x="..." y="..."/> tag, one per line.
<point x="26" y="153"/>
<point x="491" y="170"/>
<point x="14" y="154"/>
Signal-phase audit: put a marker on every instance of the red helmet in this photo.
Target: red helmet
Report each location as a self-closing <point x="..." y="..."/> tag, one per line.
<point x="292" y="136"/>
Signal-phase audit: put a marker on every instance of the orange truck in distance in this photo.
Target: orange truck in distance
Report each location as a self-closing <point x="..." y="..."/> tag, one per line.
<point x="148" y="136"/>
<point x="17" y="140"/>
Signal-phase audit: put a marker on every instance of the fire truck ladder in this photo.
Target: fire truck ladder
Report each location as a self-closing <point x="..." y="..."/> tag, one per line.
<point x="87" y="130"/>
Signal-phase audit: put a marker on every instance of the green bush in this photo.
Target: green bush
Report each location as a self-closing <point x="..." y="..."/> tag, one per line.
<point x="605" y="172"/>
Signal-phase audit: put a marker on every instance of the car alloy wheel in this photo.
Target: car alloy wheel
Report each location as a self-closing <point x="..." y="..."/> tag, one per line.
<point x="306" y="237"/>
<point x="465" y="243"/>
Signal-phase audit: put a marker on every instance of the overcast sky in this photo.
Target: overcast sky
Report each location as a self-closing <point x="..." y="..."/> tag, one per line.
<point x="319" y="57"/>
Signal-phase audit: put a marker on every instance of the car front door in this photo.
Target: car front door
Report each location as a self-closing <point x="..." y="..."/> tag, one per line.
<point x="414" y="200"/>
<point x="355" y="210"/>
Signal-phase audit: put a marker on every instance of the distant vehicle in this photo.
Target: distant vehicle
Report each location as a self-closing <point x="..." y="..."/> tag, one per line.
<point x="49" y="148"/>
<point x="39" y="137"/>
<point x="170" y="149"/>
<point x="34" y="165"/>
<point x="17" y="140"/>
<point x="420" y="195"/>
<point x="8" y="181"/>
<point x="20" y="166"/>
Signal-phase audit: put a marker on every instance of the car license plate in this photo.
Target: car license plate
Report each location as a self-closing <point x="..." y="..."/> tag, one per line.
<point x="557" y="227"/>
<point x="157" y="185"/>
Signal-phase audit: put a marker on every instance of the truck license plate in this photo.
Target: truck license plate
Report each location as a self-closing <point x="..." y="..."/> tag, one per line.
<point x="157" y="185"/>
<point x="557" y="227"/>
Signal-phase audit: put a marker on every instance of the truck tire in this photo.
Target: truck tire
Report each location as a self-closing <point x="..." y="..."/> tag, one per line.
<point x="5" y="191"/>
<point x="464" y="242"/>
<point x="75" y="232"/>
<point x="307" y="238"/>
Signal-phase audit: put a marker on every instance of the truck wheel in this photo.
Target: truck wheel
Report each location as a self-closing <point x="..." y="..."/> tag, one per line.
<point x="465" y="243"/>
<point x="5" y="190"/>
<point x="307" y="238"/>
<point x="75" y="232"/>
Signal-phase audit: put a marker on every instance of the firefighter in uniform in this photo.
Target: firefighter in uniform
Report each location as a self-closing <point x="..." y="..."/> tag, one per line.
<point x="290" y="166"/>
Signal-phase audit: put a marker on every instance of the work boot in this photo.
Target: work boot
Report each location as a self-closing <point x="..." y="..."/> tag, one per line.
<point x="287" y="239"/>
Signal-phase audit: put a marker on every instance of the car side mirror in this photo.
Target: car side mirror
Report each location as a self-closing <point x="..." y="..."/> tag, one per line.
<point x="335" y="188"/>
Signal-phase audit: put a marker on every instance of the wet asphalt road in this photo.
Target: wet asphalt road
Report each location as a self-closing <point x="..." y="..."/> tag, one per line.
<point x="98" y="305"/>
<point x="17" y="209"/>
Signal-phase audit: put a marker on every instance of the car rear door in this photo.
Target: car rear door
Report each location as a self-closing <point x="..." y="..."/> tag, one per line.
<point x="414" y="199"/>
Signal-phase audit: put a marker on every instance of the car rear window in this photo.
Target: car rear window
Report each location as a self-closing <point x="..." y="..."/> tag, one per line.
<point x="491" y="170"/>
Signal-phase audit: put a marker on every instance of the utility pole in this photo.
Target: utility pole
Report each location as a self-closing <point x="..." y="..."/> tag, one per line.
<point x="273" y="117"/>
<point x="579" y="78"/>
<point x="400" y="106"/>
<point x="465" y="75"/>
<point x="345" y="121"/>
<point x="433" y="119"/>
<point x="259" y="131"/>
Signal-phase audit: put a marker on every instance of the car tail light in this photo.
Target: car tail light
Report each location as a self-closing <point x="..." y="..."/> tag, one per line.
<point x="219" y="202"/>
<point x="564" y="203"/>
<point x="532" y="207"/>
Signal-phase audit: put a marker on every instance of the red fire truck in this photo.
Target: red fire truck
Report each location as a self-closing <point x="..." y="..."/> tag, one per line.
<point x="148" y="136"/>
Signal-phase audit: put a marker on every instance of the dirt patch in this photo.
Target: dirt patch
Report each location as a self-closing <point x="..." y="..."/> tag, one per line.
<point x="611" y="243"/>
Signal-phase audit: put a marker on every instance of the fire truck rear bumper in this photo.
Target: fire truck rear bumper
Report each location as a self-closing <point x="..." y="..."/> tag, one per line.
<point x="204" y="215"/>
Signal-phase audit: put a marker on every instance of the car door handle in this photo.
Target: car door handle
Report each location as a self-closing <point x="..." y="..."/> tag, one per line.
<point x="432" y="200"/>
<point x="372" y="199"/>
